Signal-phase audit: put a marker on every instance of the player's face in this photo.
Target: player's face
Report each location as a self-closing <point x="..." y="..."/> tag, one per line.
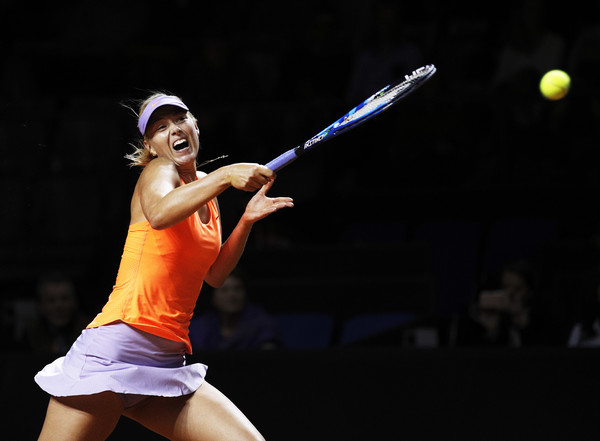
<point x="173" y="133"/>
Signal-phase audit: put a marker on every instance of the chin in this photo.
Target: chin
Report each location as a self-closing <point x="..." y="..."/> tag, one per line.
<point x="186" y="159"/>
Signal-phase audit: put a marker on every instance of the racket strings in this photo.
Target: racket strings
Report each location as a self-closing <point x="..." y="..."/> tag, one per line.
<point x="381" y="99"/>
<point x="387" y="95"/>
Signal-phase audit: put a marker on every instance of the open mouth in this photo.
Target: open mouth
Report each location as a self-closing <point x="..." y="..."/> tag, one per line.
<point x="180" y="145"/>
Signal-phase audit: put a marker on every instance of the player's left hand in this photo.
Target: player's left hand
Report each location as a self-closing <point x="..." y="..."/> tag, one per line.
<point x="260" y="206"/>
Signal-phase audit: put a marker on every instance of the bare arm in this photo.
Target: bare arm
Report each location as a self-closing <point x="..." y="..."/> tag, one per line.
<point x="164" y="202"/>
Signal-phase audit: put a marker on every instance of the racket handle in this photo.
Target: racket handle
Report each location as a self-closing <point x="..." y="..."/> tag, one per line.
<point x="284" y="159"/>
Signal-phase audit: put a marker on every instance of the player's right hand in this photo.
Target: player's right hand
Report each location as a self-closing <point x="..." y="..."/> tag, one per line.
<point x="249" y="177"/>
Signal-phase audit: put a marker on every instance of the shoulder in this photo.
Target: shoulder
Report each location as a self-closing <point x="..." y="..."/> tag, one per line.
<point x="160" y="168"/>
<point x="160" y="163"/>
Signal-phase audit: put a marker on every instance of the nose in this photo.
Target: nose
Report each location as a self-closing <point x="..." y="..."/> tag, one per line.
<point x="175" y="128"/>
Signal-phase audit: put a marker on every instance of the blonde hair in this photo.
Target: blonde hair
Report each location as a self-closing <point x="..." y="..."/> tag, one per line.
<point x="141" y="156"/>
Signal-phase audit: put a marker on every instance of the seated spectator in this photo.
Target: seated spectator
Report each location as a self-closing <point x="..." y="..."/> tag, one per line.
<point x="586" y="331"/>
<point x="59" y="321"/>
<point x="233" y="323"/>
<point x="504" y="317"/>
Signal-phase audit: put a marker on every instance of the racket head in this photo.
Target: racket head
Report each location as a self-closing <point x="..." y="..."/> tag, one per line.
<point x="374" y="105"/>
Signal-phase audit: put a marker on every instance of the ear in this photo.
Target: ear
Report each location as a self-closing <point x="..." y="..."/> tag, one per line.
<point x="148" y="147"/>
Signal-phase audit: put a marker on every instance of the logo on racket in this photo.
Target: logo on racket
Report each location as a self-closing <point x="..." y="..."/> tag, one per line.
<point x="314" y="140"/>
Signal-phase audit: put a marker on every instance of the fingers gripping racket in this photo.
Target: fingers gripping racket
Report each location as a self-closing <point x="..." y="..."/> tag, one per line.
<point x="374" y="105"/>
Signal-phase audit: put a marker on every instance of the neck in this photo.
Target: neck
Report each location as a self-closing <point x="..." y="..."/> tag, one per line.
<point x="187" y="174"/>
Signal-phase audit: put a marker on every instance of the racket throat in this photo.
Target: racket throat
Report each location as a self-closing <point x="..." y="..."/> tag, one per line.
<point x="293" y="155"/>
<point x="299" y="150"/>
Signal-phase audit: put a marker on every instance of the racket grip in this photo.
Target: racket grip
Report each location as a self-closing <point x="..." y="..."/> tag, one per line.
<point x="282" y="160"/>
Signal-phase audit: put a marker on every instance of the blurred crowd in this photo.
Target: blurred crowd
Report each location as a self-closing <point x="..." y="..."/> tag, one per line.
<point x="477" y="143"/>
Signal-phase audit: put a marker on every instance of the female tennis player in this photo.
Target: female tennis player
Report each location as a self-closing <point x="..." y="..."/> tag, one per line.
<point x="130" y="360"/>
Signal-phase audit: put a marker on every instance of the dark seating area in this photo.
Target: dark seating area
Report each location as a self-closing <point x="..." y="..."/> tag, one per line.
<point x="390" y="277"/>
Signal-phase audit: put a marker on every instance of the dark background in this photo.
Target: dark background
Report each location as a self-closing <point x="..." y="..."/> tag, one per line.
<point x="474" y="153"/>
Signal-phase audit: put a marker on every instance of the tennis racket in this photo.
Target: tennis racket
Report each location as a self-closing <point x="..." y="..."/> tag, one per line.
<point x="374" y="105"/>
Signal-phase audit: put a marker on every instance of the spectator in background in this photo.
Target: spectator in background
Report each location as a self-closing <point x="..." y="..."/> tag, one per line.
<point x="586" y="331"/>
<point x="504" y="317"/>
<point x="232" y="322"/>
<point x="59" y="320"/>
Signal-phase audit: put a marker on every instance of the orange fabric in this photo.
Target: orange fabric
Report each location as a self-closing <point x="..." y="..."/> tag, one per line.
<point x="161" y="274"/>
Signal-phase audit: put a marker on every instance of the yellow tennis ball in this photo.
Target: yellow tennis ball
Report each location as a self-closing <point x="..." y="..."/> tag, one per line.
<point x="555" y="84"/>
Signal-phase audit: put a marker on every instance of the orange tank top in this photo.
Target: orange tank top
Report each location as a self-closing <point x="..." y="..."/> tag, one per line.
<point x="161" y="274"/>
